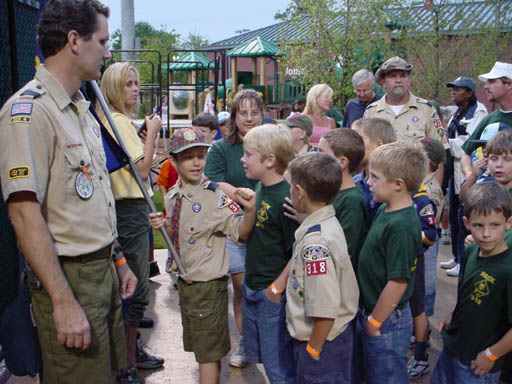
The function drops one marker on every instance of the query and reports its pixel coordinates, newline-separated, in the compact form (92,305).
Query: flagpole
(135,173)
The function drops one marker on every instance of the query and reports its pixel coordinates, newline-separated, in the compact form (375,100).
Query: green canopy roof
(256,47)
(189,61)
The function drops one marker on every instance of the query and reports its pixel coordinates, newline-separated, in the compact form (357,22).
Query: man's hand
(482,364)
(292,212)
(246,197)
(127,281)
(73,329)
(445,324)
(157,220)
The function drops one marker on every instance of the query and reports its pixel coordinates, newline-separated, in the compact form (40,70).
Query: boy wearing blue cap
(200,216)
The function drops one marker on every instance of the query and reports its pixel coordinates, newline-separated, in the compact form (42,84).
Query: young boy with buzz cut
(322,292)
(478,334)
(348,147)
(386,265)
(267,151)
(200,218)
(208,124)
(374,132)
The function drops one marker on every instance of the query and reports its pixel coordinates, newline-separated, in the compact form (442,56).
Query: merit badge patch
(234,207)
(431,220)
(84,186)
(415,119)
(189,135)
(315,252)
(19,172)
(427,210)
(21,113)
(196,207)
(438,123)
(224,200)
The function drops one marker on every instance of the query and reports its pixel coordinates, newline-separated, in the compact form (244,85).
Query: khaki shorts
(204,316)
(96,288)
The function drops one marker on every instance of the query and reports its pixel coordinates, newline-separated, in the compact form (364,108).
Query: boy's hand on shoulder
(157,220)
(291,213)
(246,197)
(468,240)
(482,364)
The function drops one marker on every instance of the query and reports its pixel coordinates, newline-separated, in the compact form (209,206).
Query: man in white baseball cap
(498,88)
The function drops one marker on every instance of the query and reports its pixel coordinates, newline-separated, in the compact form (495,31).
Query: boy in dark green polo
(478,334)
(348,147)
(386,265)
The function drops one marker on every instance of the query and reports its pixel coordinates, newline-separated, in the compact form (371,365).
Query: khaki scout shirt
(435,193)
(207,217)
(322,282)
(47,140)
(416,120)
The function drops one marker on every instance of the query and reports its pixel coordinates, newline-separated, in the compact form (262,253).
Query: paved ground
(180,367)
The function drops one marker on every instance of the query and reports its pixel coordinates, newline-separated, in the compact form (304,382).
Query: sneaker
(454,271)
(417,368)
(145,360)
(446,238)
(412,342)
(448,264)
(129,376)
(168,265)
(153,269)
(238,359)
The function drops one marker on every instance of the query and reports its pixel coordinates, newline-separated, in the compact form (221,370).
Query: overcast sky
(216,20)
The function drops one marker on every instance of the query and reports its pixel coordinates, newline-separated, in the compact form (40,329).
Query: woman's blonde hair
(112,86)
(314,93)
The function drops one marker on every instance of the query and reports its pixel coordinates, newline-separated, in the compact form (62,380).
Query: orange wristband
(375,323)
(312,351)
(489,355)
(468,174)
(120,262)
(274,290)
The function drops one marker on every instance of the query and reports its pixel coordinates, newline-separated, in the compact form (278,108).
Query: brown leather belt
(102,253)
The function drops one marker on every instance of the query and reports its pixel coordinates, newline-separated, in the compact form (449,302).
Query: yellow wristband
(489,355)
(312,351)
(375,323)
(274,289)
(120,262)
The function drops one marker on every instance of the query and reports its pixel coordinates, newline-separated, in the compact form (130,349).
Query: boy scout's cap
(390,65)
(489,131)
(435,150)
(185,138)
(298,120)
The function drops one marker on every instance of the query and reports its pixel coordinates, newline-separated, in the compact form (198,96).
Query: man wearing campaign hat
(412,117)
(301,127)
(465,120)
(498,87)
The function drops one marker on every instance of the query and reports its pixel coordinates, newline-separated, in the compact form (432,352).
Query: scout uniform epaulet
(211,186)
(314,228)
(423,101)
(374,104)
(422,191)
(31,93)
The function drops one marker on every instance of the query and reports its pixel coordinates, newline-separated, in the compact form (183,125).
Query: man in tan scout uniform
(60,202)
(412,117)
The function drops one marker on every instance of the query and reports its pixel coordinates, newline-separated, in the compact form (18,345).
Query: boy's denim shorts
(450,370)
(266,339)
(335,364)
(383,359)
(236,255)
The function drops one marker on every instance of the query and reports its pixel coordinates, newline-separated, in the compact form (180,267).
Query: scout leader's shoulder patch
(315,256)
(19,172)
(21,113)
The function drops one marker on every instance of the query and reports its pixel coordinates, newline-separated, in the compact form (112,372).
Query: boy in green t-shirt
(348,147)
(478,334)
(267,151)
(386,265)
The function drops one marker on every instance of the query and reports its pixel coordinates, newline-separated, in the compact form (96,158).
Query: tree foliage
(194,40)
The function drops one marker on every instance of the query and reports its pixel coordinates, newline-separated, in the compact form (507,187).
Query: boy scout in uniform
(321,293)
(412,117)
(60,202)
(201,216)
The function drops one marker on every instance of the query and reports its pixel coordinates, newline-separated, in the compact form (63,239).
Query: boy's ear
(400,184)
(344,162)
(214,132)
(465,220)
(270,160)
(301,192)
(508,224)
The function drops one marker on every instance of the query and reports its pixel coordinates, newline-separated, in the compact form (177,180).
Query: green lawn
(159,239)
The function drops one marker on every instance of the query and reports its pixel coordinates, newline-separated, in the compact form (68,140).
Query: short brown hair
(272,138)
(486,197)
(246,94)
(206,120)
(348,143)
(500,143)
(319,174)
(401,160)
(376,129)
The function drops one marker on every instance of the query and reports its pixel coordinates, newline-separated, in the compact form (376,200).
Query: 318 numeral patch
(318,267)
